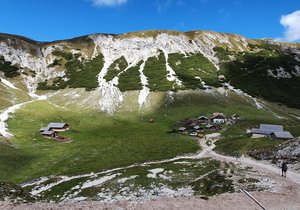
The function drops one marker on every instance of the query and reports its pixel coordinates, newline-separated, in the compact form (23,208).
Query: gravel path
(286,196)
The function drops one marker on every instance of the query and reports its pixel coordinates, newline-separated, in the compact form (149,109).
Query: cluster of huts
(273,131)
(51,131)
(196,126)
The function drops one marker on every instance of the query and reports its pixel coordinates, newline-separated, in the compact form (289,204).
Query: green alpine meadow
(144,115)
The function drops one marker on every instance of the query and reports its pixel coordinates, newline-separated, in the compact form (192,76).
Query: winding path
(4,117)
(246,161)
(207,151)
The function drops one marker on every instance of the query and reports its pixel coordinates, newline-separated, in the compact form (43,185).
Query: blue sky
(47,20)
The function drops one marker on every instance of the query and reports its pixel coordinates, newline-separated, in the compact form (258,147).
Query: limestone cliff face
(146,61)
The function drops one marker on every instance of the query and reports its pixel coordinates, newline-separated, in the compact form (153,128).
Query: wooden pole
(250,196)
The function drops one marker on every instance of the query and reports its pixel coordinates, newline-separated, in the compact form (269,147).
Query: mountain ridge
(154,60)
(133,33)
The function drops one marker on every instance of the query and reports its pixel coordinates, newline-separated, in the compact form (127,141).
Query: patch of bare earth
(288,198)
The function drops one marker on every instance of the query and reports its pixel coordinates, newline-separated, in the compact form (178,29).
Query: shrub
(156,73)
(8,69)
(115,68)
(130,79)
(78,74)
(191,66)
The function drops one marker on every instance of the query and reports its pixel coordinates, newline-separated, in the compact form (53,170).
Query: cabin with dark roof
(282,135)
(181,129)
(58,126)
(44,129)
(274,128)
(210,126)
(267,129)
(50,134)
(202,119)
(273,131)
(51,131)
(261,131)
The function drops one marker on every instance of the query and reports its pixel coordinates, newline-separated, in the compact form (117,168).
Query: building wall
(256,136)
(219,121)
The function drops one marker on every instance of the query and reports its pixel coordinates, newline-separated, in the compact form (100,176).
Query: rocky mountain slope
(149,81)
(109,65)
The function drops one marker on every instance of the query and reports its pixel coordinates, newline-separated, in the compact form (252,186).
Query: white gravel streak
(171,75)
(99,181)
(8,83)
(154,172)
(123,180)
(4,116)
(135,49)
(144,93)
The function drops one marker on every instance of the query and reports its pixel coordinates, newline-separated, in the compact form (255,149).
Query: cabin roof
(44,129)
(202,117)
(283,135)
(197,127)
(261,131)
(56,125)
(274,128)
(209,126)
(48,132)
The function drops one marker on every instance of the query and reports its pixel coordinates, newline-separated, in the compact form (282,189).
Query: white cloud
(164,5)
(108,3)
(291,22)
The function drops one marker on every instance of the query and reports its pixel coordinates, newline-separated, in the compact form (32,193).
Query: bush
(252,68)
(156,73)
(56,62)
(63,54)
(115,68)
(8,69)
(130,79)
(191,66)
(78,74)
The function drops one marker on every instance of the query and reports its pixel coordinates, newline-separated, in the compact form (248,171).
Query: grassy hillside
(250,72)
(191,68)
(9,97)
(102,142)
(99,142)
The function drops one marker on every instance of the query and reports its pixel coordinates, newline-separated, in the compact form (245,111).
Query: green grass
(61,189)
(213,184)
(5,97)
(103,142)
(99,142)
(12,159)
(181,174)
(237,146)
(8,97)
